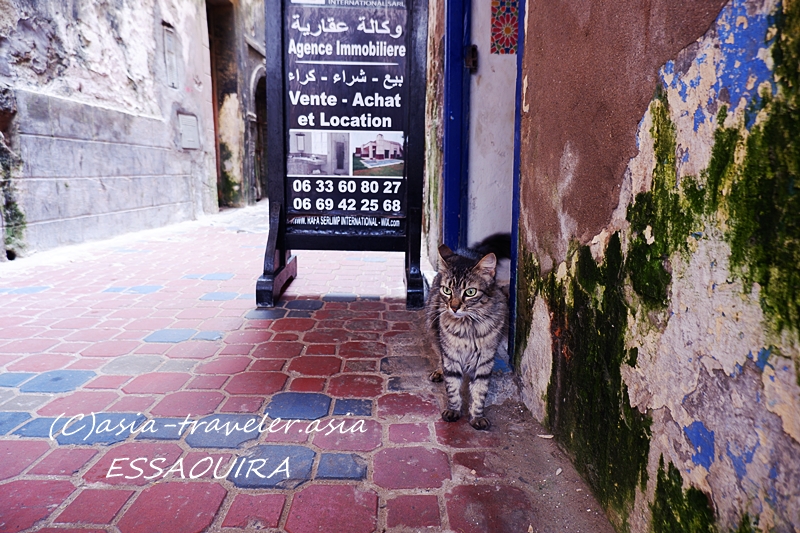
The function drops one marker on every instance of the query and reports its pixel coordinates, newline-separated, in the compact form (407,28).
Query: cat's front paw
(482,423)
(450,415)
(436,376)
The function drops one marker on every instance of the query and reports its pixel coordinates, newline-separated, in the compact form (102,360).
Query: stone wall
(659,242)
(96,140)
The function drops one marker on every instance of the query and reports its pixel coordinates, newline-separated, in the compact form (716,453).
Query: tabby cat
(467,315)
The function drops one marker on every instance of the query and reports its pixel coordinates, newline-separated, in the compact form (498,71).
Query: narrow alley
(149,331)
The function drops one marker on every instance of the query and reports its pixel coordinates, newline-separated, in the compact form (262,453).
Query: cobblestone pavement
(137,375)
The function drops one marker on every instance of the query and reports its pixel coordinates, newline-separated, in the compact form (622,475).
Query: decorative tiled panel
(505,24)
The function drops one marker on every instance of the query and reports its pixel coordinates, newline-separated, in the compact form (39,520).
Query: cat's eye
(470,292)
(446,291)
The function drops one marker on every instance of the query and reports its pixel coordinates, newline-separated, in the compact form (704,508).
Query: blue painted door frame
(455,194)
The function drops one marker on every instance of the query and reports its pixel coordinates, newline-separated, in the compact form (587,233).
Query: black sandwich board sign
(345,84)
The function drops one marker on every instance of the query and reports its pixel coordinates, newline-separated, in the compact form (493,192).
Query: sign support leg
(280,266)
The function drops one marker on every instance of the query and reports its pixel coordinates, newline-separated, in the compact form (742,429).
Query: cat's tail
(499,244)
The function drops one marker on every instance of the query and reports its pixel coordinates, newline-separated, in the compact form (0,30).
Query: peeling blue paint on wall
(703,441)
(741,460)
(741,70)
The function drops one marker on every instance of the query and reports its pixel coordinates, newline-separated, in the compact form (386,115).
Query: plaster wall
(95,133)
(491,133)
(641,295)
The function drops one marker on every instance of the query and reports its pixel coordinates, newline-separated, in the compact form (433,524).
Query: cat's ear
(445,253)
(487,265)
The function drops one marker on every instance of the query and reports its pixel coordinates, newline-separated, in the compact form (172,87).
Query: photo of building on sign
(318,153)
(377,154)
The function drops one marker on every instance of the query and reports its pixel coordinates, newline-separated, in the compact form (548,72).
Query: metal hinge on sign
(471,58)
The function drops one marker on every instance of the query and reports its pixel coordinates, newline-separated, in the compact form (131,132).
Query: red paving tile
(107,382)
(175,507)
(355,386)
(25,502)
(495,508)
(255,510)
(207,382)
(413,511)
(362,350)
(461,435)
(132,404)
(410,468)
(28,346)
(476,463)
(315,365)
(94,506)
(273,350)
(293,324)
(407,433)
(408,405)
(193,350)
(41,363)
(79,402)
(267,365)
(242,404)
(17,455)
(352,435)
(63,461)
(110,348)
(307,384)
(256,383)
(187,403)
(157,382)
(224,365)
(326,336)
(333,509)
(321,349)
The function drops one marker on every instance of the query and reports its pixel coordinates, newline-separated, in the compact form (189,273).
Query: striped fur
(467,316)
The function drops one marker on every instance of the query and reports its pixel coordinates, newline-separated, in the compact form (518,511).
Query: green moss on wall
(13,217)
(588,405)
(676,510)
(228,191)
(662,218)
(528,280)
(764,204)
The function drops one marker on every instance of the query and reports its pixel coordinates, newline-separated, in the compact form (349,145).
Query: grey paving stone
(10,420)
(273,466)
(41,427)
(341,466)
(407,383)
(265,314)
(178,365)
(219,296)
(223,431)
(298,406)
(115,289)
(374,259)
(369,298)
(339,297)
(57,381)
(218,276)
(171,335)
(6,394)
(12,379)
(131,365)
(354,407)
(299,314)
(102,428)
(410,364)
(208,336)
(308,305)
(26,402)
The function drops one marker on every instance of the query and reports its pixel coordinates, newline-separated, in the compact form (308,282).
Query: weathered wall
(434,131)
(659,242)
(96,133)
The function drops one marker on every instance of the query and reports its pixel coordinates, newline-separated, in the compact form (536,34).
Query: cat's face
(465,285)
